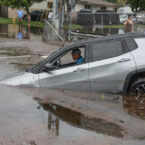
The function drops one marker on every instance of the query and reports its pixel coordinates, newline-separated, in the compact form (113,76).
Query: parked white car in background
(123,18)
(140,18)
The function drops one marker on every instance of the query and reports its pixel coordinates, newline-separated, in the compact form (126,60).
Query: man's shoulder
(81,59)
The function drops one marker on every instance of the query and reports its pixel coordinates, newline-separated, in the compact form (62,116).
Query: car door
(110,63)
(72,79)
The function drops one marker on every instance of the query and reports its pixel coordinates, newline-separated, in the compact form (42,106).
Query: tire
(137,90)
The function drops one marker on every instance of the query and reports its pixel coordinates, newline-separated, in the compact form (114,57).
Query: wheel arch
(131,77)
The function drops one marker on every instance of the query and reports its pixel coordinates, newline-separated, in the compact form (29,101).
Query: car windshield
(40,64)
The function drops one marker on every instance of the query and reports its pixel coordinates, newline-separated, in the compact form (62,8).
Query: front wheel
(137,90)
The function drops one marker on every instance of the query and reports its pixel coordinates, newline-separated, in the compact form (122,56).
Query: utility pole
(55,13)
(61,18)
(55,8)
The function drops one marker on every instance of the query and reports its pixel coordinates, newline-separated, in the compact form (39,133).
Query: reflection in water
(134,106)
(15,31)
(98,31)
(76,119)
(53,123)
(20,34)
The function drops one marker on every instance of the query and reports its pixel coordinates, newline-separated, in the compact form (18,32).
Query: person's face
(75,57)
(130,18)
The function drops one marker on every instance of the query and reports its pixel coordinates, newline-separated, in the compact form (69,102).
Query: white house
(95,5)
(80,4)
(42,5)
(125,10)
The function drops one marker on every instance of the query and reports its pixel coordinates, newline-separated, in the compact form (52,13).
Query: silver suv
(111,64)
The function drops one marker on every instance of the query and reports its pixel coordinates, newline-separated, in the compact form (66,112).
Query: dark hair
(129,15)
(76,51)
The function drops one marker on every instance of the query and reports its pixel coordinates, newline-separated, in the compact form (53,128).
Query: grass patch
(114,26)
(10,21)
(121,26)
(5,21)
(141,26)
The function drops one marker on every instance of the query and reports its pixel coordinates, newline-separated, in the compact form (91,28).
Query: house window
(50,5)
(87,7)
(103,8)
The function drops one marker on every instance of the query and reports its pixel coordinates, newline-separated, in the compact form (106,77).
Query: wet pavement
(36,116)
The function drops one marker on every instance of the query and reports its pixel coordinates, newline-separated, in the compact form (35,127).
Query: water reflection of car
(111,64)
(37,15)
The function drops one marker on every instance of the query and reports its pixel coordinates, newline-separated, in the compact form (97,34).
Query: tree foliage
(119,2)
(136,5)
(19,3)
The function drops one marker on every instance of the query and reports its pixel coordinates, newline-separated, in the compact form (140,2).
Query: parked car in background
(143,19)
(140,17)
(123,18)
(37,15)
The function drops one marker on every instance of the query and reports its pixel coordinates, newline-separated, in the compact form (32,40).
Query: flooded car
(111,64)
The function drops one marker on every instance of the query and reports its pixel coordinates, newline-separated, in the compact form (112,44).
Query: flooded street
(37,116)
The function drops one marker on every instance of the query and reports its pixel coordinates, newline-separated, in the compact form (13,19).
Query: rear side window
(131,44)
(106,50)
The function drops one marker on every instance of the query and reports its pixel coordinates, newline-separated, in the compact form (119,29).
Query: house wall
(40,6)
(12,13)
(79,7)
(110,9)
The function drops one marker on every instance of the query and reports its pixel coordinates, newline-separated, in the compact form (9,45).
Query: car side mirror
(46,68)
(48,65)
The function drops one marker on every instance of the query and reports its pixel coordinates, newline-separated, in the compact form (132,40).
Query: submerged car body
(111,64)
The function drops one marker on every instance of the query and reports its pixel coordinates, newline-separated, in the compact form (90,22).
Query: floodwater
(36,116)
(36,33)
(14,31)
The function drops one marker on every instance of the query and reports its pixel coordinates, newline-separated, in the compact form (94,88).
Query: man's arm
(125,24)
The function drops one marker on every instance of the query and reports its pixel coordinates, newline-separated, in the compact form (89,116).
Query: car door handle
(79,69)
(124,60)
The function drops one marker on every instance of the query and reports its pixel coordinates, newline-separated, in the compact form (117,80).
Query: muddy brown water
(40,116)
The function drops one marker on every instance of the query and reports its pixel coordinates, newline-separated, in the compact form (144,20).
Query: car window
(131,44)
(66,59)
(106,50)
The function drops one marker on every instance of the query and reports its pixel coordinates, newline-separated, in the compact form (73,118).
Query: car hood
(21,79)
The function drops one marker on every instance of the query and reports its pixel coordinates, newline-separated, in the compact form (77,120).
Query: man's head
(76,54)
(130,17)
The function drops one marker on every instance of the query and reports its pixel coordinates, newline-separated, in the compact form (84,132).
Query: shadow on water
(57,113)
(14,31)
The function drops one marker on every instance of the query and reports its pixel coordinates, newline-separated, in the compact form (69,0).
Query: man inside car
(76,55)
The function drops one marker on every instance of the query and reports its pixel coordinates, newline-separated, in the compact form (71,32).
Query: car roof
(106,38)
